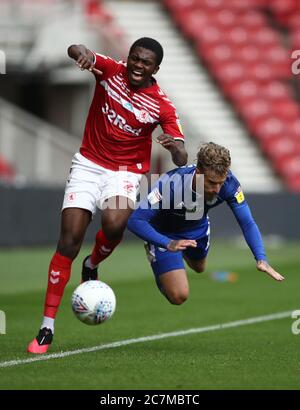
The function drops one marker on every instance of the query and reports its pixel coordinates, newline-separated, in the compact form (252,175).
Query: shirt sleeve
(140,224)
(140,221)
(106,64)
(244,217)
(169,120)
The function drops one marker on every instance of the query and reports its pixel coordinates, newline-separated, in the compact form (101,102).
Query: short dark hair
(149,44)
(214,157)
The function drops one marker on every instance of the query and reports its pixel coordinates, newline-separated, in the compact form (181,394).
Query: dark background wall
(31,216)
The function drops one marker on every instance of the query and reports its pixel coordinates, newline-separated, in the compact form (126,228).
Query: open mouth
(136,75)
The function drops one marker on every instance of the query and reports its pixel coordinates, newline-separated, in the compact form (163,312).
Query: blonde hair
(214,157)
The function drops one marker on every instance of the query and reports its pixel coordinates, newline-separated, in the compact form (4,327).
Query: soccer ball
(93,302)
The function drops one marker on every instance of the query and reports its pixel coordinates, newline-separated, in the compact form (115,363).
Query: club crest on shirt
(143,116)
(71,196)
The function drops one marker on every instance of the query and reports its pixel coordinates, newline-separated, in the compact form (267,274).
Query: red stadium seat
(268,128)
(294,21)
(266,37)
(212,5)
(261,71)
(192,22)
(246,55)
(277,54)
(275,90)
(181,5)
(229,72)
(217,54)
(244,90)
(286,109)
(295,39)
(238,35)
(293,183)
(281,7)
(226,18)
(249,53)
(210,36)
(243,5)
(96,11)
(255,109)
(252,20)
(281,146)
(238,5)
(7,171)
(288,165)
(294,127)
(284,9)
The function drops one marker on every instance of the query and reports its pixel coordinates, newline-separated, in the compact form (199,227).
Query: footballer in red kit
(115,152)
(122,118)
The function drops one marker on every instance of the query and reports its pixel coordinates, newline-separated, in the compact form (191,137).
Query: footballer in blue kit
(173,220)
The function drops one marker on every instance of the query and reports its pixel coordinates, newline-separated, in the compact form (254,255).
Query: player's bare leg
(175,286)
(114,220)
(197,265)
(74,223)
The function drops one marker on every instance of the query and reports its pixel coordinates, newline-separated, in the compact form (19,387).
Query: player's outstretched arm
(176,148)
(181,245)
(84,58)
(263,266)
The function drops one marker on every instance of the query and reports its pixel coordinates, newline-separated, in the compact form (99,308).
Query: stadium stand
(28,30)
(7,171)
(248,54)
(205,114)
(34,152)
(244,45)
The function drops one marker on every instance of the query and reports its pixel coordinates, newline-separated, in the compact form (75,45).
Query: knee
(113,230)
(177,297)
(69,247)
(199,269)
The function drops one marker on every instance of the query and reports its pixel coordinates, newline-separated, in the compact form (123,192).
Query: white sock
(89,264)
(48,322)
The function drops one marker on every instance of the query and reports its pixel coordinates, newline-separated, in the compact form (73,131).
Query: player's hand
(263,266)
(85,61)
(181,245)
(167,141)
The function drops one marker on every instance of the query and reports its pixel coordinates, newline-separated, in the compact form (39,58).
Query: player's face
(212,184)
(141,65)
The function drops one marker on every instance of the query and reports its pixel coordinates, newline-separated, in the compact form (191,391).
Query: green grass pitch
(257,356)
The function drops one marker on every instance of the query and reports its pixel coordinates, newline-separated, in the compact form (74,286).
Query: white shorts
(89,185)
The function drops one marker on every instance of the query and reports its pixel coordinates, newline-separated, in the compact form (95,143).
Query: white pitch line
(211,328)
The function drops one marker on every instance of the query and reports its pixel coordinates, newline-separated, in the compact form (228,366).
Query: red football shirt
(121,119)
